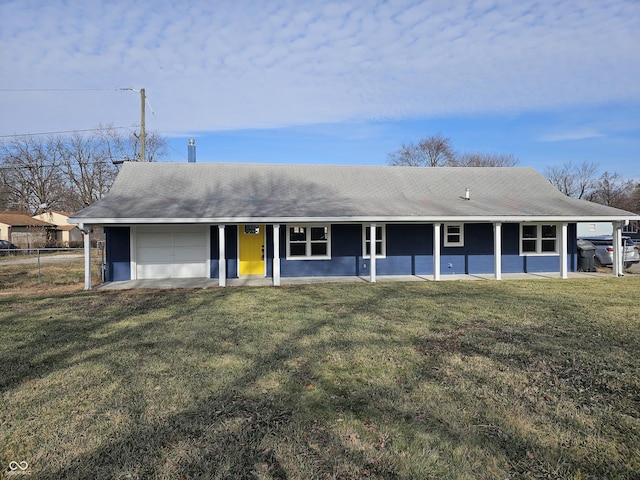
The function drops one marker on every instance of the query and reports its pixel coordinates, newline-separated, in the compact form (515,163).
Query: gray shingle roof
(226,192)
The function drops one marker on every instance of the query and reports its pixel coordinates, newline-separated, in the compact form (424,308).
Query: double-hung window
(308,242)
(454,235)
(538,239)
(380,241)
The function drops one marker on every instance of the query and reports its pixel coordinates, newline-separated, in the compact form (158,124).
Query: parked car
(604,251)
(6,247)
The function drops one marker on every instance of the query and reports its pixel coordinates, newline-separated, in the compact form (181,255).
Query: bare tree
(126,148)
(573,180)
(436,151)
(485,160)
(610,189)
(65,172)
(30,174)
(433,151)
(87,168)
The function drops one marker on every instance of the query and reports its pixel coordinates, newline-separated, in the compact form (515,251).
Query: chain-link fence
(60,266)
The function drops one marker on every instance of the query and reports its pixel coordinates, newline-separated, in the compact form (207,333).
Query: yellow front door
(251,249)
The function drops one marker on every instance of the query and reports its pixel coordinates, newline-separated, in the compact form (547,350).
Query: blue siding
(231,248)
(409,252)
(118,254)
(346,247)
(410,248)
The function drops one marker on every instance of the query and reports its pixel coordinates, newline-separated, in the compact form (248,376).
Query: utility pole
(142,131)
(143,134)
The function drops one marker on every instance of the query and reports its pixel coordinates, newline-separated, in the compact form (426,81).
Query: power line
(62,131)
(58,89)
(53,165)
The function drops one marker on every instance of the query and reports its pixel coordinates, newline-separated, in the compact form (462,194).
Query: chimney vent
(192,150)
(466,194)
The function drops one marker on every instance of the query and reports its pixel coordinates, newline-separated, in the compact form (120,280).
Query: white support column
(87,256)
(222,260)
(617,250)
(436,250)
(276,255)
(372,251)
(564,272)
(497,250)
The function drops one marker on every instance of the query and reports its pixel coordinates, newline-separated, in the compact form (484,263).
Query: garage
(171,252)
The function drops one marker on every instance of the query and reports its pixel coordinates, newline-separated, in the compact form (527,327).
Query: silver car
(604,251)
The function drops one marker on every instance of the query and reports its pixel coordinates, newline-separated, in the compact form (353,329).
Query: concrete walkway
(168,283)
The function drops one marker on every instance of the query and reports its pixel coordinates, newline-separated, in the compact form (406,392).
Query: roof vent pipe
(466,194)
(192,150)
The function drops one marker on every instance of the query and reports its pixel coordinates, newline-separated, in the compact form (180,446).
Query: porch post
(222,261)
(87,256)
(497,250)
(276,255)
(563,252)
(617,249)
(436,251)
(372,251)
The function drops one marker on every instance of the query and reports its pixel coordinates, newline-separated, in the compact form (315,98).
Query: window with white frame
(632,227)
(538,239)
(380,241)
(454,235)
(308,242)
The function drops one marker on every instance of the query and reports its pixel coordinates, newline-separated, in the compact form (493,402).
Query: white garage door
(171,252)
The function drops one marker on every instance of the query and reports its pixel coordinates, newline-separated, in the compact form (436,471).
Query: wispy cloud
(571,135)
(241,63)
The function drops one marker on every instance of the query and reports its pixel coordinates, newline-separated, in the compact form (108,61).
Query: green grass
(456,380)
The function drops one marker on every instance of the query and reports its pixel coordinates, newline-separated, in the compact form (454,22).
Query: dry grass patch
(526,379)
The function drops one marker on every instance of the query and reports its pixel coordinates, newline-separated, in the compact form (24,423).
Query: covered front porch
(438,264)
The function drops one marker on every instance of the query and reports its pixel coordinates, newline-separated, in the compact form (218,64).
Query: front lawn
(456,380)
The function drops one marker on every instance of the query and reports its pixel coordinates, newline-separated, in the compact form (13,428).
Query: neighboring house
(222,220)
(65,235)
(24,231)
(594,229)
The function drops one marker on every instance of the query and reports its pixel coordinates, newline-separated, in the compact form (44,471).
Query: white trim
(207,242)
(222,257)
(87,259)
(276,255)
(497,250)
(564,270)
(538,239)
(359,219)
(617,266)
(133,243)
(383,240)
(308,242)
(372,258)
(447,243)
(437,227)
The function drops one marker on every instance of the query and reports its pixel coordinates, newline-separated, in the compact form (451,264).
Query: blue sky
(333,82)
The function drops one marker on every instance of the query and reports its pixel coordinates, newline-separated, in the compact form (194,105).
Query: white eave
(358,219)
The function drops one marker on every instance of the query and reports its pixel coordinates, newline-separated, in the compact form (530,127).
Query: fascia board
(358,219)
